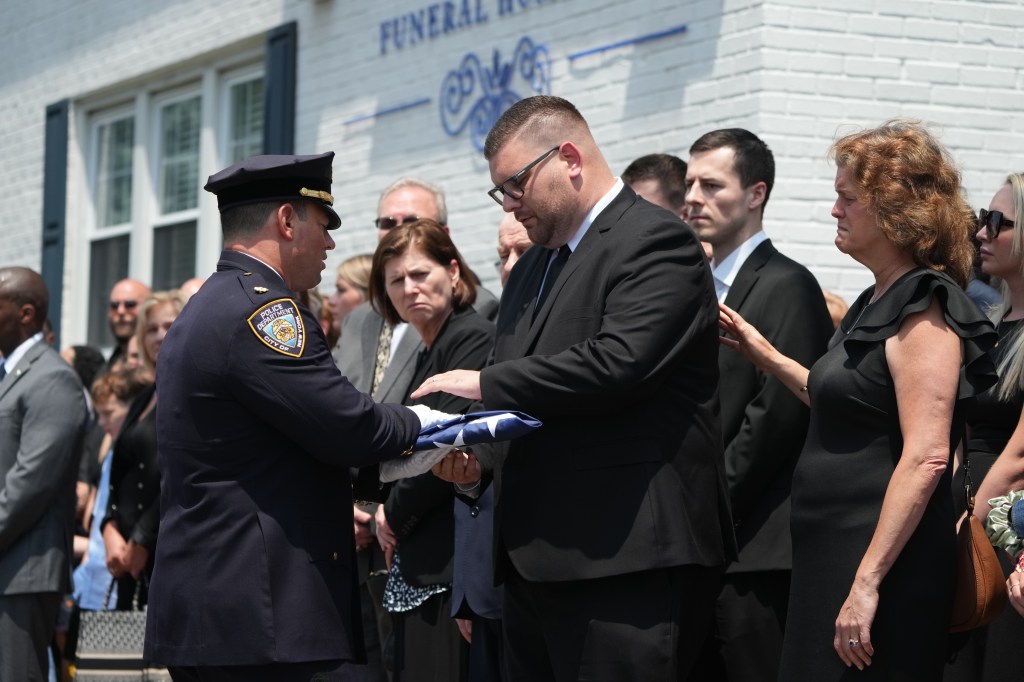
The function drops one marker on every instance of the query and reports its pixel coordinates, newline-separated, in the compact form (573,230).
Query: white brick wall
(796,72)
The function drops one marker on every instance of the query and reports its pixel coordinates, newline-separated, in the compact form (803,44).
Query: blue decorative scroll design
(632,41)
(474,96)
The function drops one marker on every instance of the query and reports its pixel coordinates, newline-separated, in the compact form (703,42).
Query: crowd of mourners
(832,436)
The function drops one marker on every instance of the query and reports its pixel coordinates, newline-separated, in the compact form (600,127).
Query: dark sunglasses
(390,222)
(513,187)
(993,221)
(128,305)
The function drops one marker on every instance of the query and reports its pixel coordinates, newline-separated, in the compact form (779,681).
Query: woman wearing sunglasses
(996,427)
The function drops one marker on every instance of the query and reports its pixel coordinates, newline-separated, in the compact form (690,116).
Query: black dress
(982,654)
(853,444)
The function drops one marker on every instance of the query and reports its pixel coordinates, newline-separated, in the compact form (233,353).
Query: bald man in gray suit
(42,420)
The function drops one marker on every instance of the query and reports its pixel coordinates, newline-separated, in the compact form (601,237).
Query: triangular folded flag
(436,441)
(476,428)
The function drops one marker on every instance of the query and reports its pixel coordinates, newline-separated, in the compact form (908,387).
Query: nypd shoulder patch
(278,325)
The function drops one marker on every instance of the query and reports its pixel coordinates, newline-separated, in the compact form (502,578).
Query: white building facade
(115,112)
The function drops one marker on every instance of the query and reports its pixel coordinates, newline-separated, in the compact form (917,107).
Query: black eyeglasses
(128,305)
(993,221)
(391,222)
(513,187)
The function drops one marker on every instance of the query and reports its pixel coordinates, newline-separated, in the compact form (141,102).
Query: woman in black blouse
(133,509)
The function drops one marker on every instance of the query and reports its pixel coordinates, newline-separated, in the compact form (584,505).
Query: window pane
(174,255)
(114,172)
(245,137)
(108,264)
(179,155)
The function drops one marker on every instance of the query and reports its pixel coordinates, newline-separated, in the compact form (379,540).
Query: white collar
(601,204)
(726,271)
(12,360)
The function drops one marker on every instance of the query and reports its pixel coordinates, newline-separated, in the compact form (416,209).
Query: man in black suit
(254,575)
(729,179)
(612,522)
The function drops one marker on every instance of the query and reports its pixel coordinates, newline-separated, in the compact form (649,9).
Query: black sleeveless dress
(853,444)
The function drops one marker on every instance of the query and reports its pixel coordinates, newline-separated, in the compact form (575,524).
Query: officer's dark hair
(433,241)
(753,161)
(246,220)
(667,170)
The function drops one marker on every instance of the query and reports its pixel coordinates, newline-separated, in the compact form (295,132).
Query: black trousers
(649,625)
(750,620)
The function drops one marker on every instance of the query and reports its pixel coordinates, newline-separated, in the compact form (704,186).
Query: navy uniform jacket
(256,431)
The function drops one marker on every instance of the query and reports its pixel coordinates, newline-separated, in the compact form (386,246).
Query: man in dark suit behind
(729,180)
(612,522)
(42,419)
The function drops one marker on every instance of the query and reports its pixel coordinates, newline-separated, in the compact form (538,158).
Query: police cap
(276,177)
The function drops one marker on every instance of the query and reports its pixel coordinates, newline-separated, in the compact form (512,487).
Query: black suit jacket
(763,423)
(621,364)
(255,562)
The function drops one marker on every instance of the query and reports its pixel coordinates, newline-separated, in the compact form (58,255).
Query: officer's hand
(429,417)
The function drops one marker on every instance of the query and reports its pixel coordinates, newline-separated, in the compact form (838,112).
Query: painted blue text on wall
(441,19)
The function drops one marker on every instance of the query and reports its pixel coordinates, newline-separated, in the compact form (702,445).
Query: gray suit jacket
(42,422)
(356,354)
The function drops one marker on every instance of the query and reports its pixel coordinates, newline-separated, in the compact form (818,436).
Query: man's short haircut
(246,220)
(667,170)
(534,116)
(23,286)
(753,162)
(406,181)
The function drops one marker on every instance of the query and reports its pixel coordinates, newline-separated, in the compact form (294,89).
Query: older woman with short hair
(419,277)
(873,522)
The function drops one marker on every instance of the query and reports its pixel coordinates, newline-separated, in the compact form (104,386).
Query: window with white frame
(146,164)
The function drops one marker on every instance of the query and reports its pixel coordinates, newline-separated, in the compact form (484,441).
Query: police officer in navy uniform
(254,574)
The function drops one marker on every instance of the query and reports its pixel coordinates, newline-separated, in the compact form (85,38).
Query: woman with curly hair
(873,522)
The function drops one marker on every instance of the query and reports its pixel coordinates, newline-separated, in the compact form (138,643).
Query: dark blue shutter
(55,181)
(279,90)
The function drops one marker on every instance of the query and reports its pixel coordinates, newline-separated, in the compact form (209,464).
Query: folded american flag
(476,428)
(464,430)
